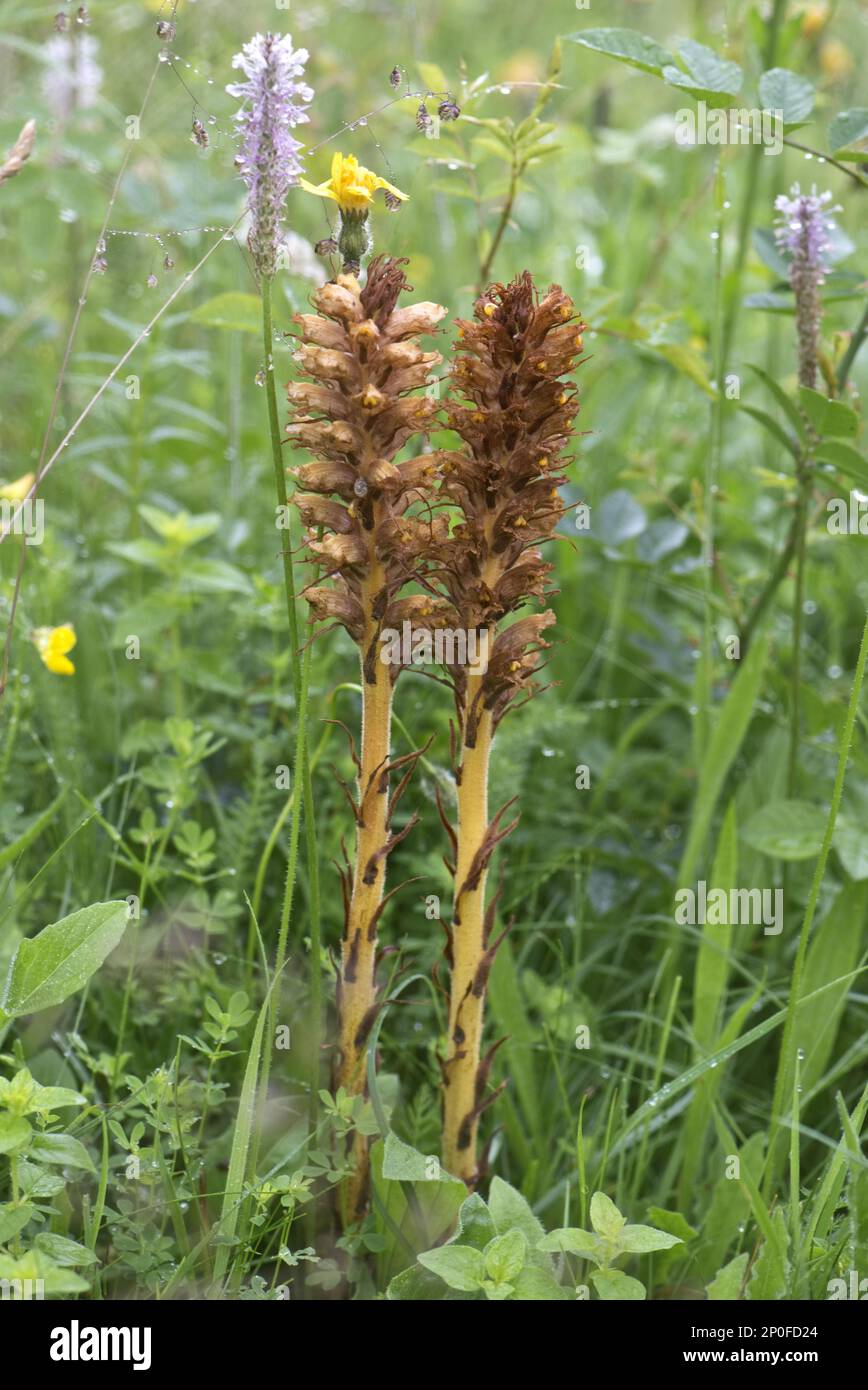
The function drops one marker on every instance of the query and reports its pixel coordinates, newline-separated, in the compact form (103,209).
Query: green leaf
(14,1216)
(726,1284)
(627,45)
(845,459)
(787,92)
(605,1217)
(673,1222)
(787,405)
(401,1163)
(433,77)
(827,416)
(785,829)
(508,1209)
(537,1285)
(475,1226)
(571,1240)
(63,1251)
(59,960)
(771,425)
(14,1133)
(708,76)
(771,1269)
(61,1148)
(848,135)
(613,1286)
(505,1256)
(641,1240)
(459,1266)
(37,1266)
(233,310)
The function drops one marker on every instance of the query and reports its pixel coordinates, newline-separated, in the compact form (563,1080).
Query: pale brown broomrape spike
(360,359)
(19,153)
(515,417)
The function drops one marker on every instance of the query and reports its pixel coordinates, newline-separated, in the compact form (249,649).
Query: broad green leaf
(38,1266)
(401,1163)
(14,1133)
(433,76)
(475,1226)
(505,1256)
(845,459)
(571,1240)
(827,416)
(605,1217)
(641,1240)
(60,959)
(417,1285)
(614,1286)
(627,45)
(787,92)
(14,1216)
(771,425)
(459,1266)
(537,1285)
(727,1283)
(708,77)
(771,1268)
(61,1148)
(233,310)
(673,1222)
(63,1251)
(508,1209)
(848,135)
(785,829)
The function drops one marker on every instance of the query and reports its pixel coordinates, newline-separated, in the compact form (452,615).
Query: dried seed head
(423,118)
(327,247)
(165,30)
(81,15)
(395,77)
(392,202)
(449,110)
(100,265)
(61,22)
(152,282)
(168,263)
(198,133)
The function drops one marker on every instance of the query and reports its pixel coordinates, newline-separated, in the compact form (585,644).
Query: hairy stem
(467,994)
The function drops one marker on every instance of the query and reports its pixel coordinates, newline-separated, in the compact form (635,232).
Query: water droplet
(260,377)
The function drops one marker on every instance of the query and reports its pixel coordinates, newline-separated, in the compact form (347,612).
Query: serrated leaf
(787,92)
(627,46)
(59,960)
(571,1240)
(63,1251)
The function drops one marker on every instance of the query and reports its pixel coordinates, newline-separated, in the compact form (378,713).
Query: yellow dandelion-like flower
(53,643)
(351,185)
(18,490)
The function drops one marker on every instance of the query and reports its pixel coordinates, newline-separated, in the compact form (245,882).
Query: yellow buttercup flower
(17,491)
(53,643)
(351,185)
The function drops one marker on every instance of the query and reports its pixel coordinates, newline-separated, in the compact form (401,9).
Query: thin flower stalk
(514,413)
(360,363)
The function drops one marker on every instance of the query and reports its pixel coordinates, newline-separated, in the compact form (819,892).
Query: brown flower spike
(355,410)
(515,415)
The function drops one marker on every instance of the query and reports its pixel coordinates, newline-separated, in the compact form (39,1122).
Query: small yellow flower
(53,643)
(351,185)
(17,491)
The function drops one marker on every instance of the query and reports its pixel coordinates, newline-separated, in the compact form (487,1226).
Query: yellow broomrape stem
(358,990)
(467,993)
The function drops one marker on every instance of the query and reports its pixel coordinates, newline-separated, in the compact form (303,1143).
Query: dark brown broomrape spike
(515,415)
(360,362)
